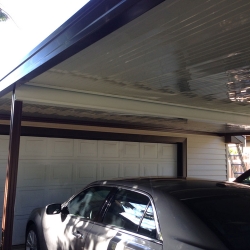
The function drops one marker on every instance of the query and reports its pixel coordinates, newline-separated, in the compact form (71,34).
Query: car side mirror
(53,209)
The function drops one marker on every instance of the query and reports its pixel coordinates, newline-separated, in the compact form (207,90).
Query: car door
(128,223)
(70,230)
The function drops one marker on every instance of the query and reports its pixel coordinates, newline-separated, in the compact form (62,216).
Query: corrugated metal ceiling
(181,52)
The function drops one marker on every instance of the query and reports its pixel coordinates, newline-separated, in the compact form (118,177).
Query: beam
(125,105)
(235,139)
(11,176)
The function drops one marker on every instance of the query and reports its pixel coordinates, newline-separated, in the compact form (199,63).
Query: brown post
(11,177)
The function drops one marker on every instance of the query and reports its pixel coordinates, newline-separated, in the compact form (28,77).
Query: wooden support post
(11,176)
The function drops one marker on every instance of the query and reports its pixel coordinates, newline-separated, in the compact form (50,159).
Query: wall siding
(206,158)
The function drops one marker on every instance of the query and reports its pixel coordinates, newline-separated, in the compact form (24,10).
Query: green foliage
(233,151)
(3,16)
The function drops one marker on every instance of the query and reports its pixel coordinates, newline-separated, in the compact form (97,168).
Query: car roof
(182,186)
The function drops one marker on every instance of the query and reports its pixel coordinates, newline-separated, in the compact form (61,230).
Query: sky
(31,22)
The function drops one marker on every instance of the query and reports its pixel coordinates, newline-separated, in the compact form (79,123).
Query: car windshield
(227,215)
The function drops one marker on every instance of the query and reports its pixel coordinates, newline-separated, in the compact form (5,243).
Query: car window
(147,226)
(246,181)
(131,211)
(88,203)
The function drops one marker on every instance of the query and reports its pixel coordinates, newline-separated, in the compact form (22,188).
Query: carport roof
(180,66)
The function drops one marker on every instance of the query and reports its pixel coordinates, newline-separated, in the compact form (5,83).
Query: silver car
(144,214)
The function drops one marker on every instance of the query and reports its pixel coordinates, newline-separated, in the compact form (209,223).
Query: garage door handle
(78,235)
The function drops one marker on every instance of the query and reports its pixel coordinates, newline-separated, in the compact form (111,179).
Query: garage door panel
(78,188)
(3,168)
(59,194)
(86,148)
(108,149)
(61,173)
(33,148)
(150,169)
(19,229)
(28,199)
(110,170)
(86,172)
(131,169)
(167,151)
(168,169)
(52,169)
(4,147)
(31,174)
(149,150)
(62,148)
(130,150)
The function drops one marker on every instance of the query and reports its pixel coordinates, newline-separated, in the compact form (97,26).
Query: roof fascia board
(94,21)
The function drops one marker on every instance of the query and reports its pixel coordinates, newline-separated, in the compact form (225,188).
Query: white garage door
(51,170)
